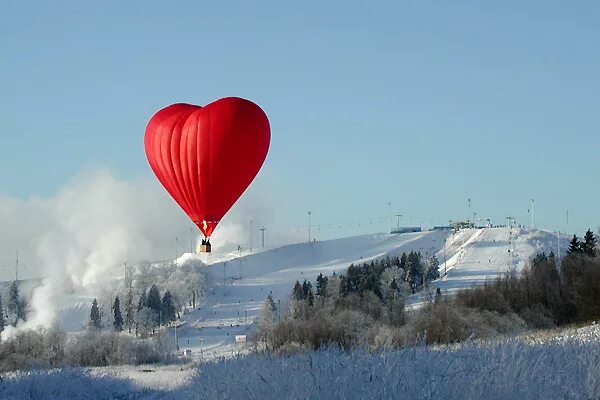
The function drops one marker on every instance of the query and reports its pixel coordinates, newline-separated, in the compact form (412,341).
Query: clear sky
(422,104)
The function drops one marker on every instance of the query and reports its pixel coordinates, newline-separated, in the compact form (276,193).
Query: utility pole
(17,267)
(532,201)
(191,241)
(558,246)
(567,220)
(469,201)
(398,221)
(390,214)
(309,226)
(175,261)
(250,236)
(445,259)
(262,231)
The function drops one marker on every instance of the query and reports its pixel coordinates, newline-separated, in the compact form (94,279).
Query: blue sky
(423,104)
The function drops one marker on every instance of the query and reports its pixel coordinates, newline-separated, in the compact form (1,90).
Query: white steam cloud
(78,240)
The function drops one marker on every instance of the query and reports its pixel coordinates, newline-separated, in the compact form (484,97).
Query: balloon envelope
(206,157)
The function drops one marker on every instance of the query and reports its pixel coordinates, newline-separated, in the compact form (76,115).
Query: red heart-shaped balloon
(206,157)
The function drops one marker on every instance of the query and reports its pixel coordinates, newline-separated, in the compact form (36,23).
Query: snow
(239,286)
(567,366)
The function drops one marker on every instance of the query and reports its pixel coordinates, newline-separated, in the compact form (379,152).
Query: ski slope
(238,287)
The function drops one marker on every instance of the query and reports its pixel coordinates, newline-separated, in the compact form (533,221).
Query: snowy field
(562,367)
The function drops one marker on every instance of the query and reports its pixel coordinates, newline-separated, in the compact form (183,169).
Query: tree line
(371,292)
(142,304)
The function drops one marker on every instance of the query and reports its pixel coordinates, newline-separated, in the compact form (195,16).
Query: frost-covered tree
(146,321)
(298,292)
(403,261)
(118,318)
(16,305)
(268,311)
(433,269)
(95,319)
(129,311)
(142,301)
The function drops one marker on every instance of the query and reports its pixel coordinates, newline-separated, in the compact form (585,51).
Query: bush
(51,348)
(538,317)
(485,297)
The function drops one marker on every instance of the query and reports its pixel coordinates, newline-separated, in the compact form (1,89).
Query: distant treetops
(587,246)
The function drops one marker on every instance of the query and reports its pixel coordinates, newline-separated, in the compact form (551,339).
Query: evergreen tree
(394,285)
(2,322)
(142,301)
(268,312)
(95,320)
(153,302)
(118,320)
(305,286)
(129,313)
(21,307)
(574,245)
(297,292)
(403,260)
(310,296)
(354,276)
(415,271)
(370,282)
(16,306)
(433,271)
(321,285)
(167,307)
(13,301)
(589,244)
(344,285)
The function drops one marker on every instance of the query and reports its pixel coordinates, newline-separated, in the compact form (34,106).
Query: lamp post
(309,213)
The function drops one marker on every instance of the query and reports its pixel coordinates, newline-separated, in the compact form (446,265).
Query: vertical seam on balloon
(206,198)
(191,161)
(183,183)
(169,166)
(189,182)
(199,144)
(178,129)
(183,173)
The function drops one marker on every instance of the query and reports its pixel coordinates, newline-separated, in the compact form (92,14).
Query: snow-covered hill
(238,287)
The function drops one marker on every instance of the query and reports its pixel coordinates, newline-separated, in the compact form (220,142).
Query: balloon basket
(205,248)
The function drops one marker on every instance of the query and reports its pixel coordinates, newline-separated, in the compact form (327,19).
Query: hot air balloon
(206,157)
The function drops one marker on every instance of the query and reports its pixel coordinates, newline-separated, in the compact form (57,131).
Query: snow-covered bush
(561,368)
(51,348)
